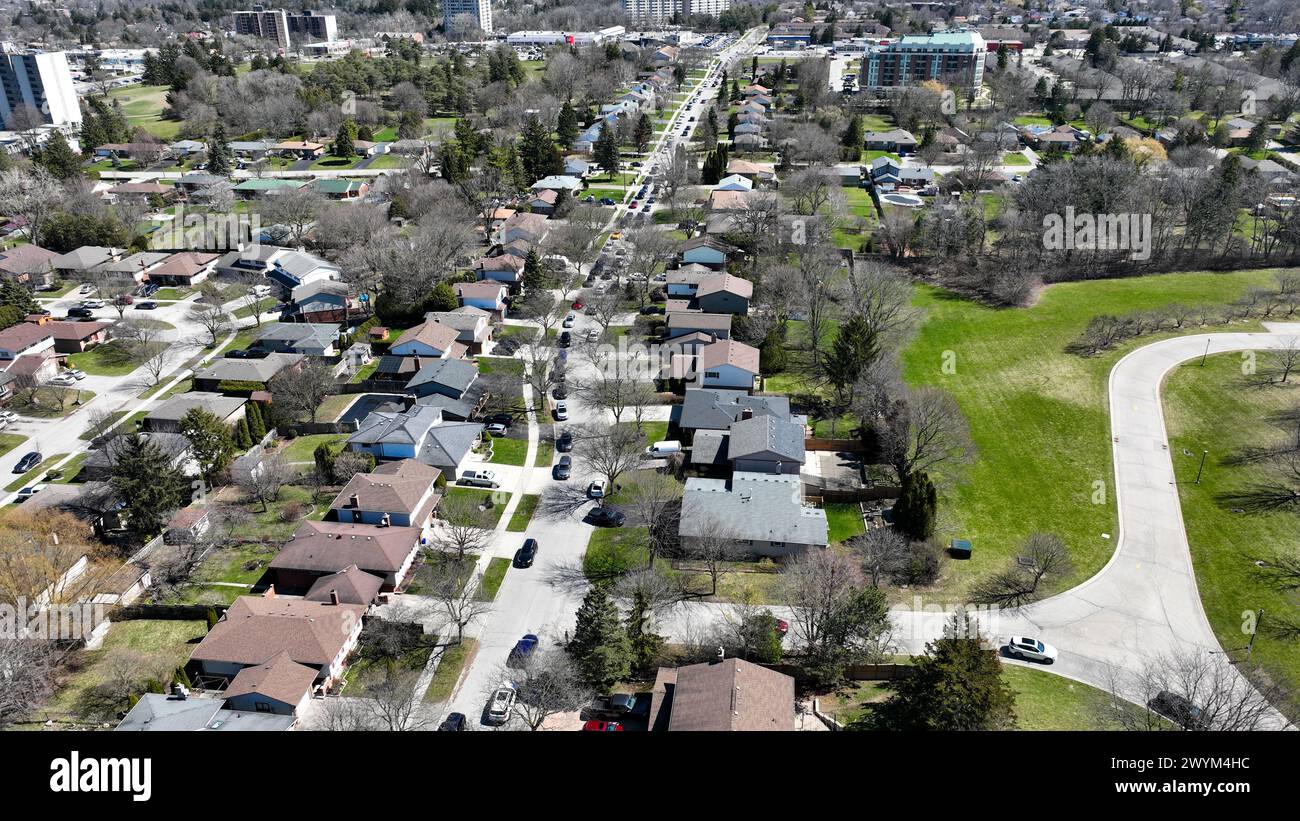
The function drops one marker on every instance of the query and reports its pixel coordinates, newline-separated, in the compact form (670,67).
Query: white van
(659,449)
(479,478)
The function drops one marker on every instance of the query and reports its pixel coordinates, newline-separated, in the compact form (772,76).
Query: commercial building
(462,15)
(953,58)
(572,38)
(40,80)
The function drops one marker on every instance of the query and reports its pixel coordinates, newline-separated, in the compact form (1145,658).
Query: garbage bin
(960,549)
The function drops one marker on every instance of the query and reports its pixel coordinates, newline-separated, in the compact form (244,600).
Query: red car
(633,206)
(578,305)
(782,626)
(602,727)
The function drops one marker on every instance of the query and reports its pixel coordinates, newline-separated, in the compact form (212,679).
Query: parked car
(501,419)
(1028,649)
(1178,709)
(569,320)
(565,339)
(561,411)
(522,651)
(602,727)
(497,429)
(560,392)
(578,304)
(8,415)
(563,468)
(665,448)
(608,201)
(479,478)
(593,335)
(601,516)
(63,380)
(453,723)
(92,303)
(652,309)
(146,305)
(597,488)
(498,707)
(80,313)
(86,289)
(76,373)
(30,460)
(619,705)
(564,442)
(782,626)
(525,555)
(28,492)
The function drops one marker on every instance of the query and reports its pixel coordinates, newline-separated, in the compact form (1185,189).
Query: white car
(92,303)
(569,320)
(498,708)
(596,489)
(8,415)
(497,429)
(86,289)
(1029,649)
(561,411)
(76,373)
(63,380)
(28,492)
(593,335)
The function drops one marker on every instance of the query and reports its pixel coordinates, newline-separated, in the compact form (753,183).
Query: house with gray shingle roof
(764,513)
(766,444)
(417,433)
(306,338)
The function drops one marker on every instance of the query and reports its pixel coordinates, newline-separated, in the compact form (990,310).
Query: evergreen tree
(57,157)
(150,487)
(956,685)
(534,276)
(210,441)
(256,423)
(606,150)
(323,456)
(410,126)
(645,645)
(567,129)
(243,439)
(219,152)
(914,511)
(364,132)
(643,133)
(856,346)
(537,151)
(1258,137)
(600,646)
(343,145)
(441,298)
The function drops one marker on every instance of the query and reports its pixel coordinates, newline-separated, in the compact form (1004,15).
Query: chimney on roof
(354,500)
(384,521)
(417,363)
(747,413)
(334,597)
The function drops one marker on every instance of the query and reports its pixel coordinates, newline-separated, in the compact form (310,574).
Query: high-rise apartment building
(663,11)
(954,58)
(310,27)
(264,24)
(40,80)
(456,15)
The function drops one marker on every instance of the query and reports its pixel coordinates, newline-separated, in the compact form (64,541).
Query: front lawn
(113,358)
(523,513)
(492,579)
(1038,415)
(9,441)
(454,659)
(507,451)
(482,497)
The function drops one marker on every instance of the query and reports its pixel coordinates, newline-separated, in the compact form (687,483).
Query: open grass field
(143,107)
(1215,408)
(1038,415)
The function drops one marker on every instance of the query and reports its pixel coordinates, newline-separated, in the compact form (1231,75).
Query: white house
(727,364)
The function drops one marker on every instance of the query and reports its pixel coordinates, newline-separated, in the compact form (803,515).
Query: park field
(1038,415)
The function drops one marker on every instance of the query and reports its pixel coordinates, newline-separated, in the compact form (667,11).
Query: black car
(564,443)
(652,309)
(524,556)
(31,460)
(565,338)
(454,723)
(608,201)
(1179,710)
(606,517)
(562,468)
(81,313)
(561,392)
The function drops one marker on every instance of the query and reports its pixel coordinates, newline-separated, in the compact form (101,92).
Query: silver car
(1030,649)
(498,709)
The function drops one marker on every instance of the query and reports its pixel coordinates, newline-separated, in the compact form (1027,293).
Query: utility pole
(1204,453)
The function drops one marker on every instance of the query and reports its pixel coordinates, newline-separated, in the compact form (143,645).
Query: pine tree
(606,149)
(219,152)
(644,644)
(853,139)
(956,685)
(57,157)
(600,645)
(644,131)
(210,441)
(534,277)
(256,423)
(914,511)
(566,129)
(243,439)
(343,145)
(150,486)
(324,459)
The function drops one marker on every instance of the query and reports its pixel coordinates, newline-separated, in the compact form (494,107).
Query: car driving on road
(30,460)
(525,555)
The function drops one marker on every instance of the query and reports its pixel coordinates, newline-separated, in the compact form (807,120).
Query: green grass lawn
(615,550)
(167,645)
(111,359)
(276,524)
(330,162)
(388,161)
(481,495)
(492,579)
(523,513)
(172,294)
(1214,408)
(507,451)
(143,106)
(334,405)
(454,658)
(365,371)
(1038,415)
(1015,158)
(545,454)
(9,441)
(262,306)
(1032,119)
(844,521)
(72,467)
(303,448)
(1046,701)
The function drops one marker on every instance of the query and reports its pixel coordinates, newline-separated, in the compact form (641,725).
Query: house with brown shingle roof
(727,364)
(26,338)
(722,696)
(31,265)
(75,337)
(281,686)
(185,269)
(724,294)
(405,495)
(256,629)
(430,339)
(351,585)
(507,268)
(681,323)
(321,548)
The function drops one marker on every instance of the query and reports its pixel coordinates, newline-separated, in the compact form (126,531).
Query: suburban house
(262,186)
(486,294)
(471,324)
(684,281)
(418,432)
(306,338)
(41,366)
(323,301)
(681,323)
(351,585)
(748,142)
(576,167)
(301,149)
(242,376)
(714,409)
(721,696)
(430,339)
(139,191)
(321,548)
(543,202)
(166,418)
(29,265)
(560,184)
(734,182)
(754,444)
(292,269)
(896,141)
(447,377)
(531,228)
(280,686)
(342,189)
(99,465)
(25,338)
(723,294)
(764,513)
(403,494)
(75,337)
(726,364)
(185,269)
(84,261)
(159,712)
(735,200)
(763,173)
(887,173)
(257,629)
(137,266)
(187,525)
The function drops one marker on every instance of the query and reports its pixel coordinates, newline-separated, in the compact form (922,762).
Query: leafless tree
(295,209)
(653,501)
(214,321)
(29,678)
(819,278)
(924,430)
(546,685)
(464,527)
(824,587)
(298,392)
(265,482)
(1043,556)
(343,715)
(392,703)
(1221,694)
(32,194)
(882,551)
(458,601)
(610,450)
(715,547)
(810,189)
